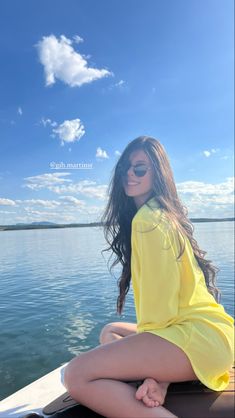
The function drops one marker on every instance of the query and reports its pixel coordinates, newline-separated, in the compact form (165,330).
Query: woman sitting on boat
(182,332)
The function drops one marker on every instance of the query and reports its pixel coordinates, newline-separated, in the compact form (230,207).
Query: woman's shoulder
(153,219)
(150,215)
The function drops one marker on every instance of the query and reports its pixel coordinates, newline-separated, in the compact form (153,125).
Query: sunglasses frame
(135,169)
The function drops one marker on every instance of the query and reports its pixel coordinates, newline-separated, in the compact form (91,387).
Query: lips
(132,183)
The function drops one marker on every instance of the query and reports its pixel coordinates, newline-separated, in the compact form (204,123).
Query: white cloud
(19,111)
(58,184)
(70,200)
(7,202)
(70,131)
(62,62)
(67,209)
(70,209)
(208,200)
(78,39)
(46,181)
(49,122)
(201,188)
(118,153)
(101,153)
(35,212)
(84,188)
(119,83)
(49,204)
(208,153)
(43,215)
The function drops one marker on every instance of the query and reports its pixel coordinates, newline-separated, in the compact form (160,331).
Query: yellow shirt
(172,300)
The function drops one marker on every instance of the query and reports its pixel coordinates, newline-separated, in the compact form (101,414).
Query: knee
(105,332)
(73,375)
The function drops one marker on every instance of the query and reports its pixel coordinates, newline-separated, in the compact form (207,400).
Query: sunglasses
(139,169)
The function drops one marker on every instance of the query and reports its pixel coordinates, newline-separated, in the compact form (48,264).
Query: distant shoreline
(92,224)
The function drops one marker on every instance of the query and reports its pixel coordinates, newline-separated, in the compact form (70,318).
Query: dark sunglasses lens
(140,171)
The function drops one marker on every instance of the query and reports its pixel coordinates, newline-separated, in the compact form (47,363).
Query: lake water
(56,294)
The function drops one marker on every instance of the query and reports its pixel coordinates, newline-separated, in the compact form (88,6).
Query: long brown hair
(121,209)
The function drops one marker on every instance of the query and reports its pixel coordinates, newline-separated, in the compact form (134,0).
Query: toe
(158,398)
(148,402)
(141,391)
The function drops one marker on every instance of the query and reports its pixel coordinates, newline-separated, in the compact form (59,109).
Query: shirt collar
(153,203)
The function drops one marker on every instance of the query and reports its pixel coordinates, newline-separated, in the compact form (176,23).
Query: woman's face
(139,188)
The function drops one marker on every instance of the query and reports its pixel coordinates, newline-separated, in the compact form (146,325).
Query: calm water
(56,294)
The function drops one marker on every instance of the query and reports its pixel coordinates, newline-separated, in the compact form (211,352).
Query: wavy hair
(120,210)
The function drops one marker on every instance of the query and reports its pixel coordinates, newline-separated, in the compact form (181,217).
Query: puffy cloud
(85,188)
(7,202)
(208,200)
(46,181)
(69,209)
(73,201)
(58,184)
(62,62)
(118,153)
(202,188)
(208,153)
(49,204)
(101,154)
(19,111)
(70,131)
(78,39)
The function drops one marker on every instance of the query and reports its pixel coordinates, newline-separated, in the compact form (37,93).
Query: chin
(130,193)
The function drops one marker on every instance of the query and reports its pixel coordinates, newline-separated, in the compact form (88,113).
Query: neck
(141,200)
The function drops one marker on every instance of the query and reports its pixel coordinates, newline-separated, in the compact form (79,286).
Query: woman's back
(171,296)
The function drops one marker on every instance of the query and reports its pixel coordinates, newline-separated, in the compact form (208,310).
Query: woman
(182,332)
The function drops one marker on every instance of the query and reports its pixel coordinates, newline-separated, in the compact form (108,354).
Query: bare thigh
(132,358)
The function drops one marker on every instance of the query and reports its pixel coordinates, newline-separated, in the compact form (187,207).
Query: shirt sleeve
(155,275)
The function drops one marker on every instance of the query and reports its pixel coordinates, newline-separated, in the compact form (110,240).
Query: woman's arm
(155,275)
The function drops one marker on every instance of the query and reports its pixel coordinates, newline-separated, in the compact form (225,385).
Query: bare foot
(152,393)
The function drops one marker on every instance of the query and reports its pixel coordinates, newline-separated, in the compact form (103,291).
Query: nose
(130,171)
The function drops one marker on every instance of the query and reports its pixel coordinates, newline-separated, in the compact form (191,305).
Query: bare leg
(116,330)
(114,399)
(151,392)
(104,370)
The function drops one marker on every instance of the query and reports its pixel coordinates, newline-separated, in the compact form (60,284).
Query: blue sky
(79,79)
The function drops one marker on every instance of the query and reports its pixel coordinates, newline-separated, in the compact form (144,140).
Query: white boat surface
(33,397)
